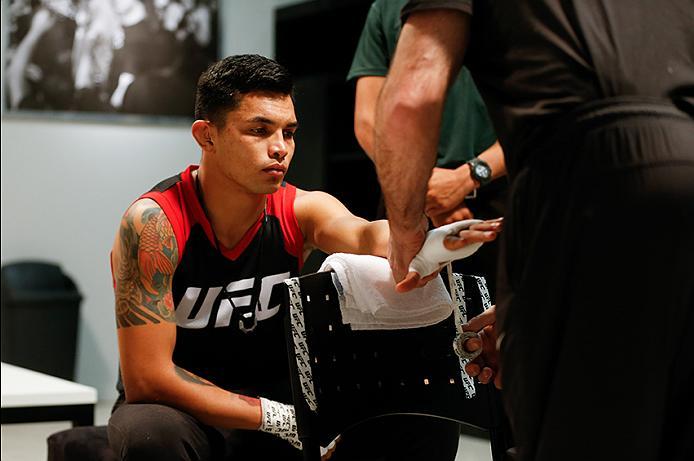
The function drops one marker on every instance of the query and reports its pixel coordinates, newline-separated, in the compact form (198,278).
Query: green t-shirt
(466,130)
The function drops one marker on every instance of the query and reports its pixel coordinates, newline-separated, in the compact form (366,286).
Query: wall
(65,184)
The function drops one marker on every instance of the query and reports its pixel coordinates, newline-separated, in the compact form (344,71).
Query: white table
(30,396)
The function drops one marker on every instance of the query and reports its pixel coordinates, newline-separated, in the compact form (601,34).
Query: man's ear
(202,132)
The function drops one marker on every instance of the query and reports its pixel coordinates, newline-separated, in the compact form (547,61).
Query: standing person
(468,180)
(203,357)
(98,33)
(592,102)
(39,70)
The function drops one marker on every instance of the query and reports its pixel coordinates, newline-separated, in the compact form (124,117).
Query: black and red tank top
(214,286)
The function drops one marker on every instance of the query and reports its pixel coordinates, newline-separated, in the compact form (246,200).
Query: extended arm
(145,255)
(408,118)
(329,226)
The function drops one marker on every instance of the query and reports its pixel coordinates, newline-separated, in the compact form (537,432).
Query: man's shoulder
(143,207)
(307,203)
(166,184)
(145,223)
(174,195)
(310,195)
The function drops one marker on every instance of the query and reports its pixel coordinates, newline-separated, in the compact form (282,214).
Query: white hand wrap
(279,419)
(434,254)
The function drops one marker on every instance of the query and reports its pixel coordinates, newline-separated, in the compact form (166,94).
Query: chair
(342,377)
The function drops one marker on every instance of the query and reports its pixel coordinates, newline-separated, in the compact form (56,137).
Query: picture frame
(114,60)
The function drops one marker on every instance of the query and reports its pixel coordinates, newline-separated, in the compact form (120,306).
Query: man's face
(256,144)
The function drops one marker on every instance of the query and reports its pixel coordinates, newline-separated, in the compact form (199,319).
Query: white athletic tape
(303,361)
(279,419)
(433,255)
(484,292)
(455,281)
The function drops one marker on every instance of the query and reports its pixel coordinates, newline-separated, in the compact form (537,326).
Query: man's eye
(260,130)
(289,134)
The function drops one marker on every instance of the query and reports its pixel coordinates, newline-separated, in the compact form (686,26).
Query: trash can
(40,314)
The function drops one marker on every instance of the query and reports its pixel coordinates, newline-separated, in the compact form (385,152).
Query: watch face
(482,171)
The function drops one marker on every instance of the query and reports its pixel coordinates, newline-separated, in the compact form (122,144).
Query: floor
(27,442)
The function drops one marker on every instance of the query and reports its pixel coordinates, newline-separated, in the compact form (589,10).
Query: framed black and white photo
(129,57)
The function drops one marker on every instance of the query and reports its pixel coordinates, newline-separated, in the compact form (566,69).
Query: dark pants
(400,438)
(596,296)
(157,432)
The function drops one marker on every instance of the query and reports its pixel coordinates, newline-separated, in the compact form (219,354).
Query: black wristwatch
(480,171)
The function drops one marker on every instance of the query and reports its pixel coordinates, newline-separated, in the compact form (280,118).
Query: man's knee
(154,432)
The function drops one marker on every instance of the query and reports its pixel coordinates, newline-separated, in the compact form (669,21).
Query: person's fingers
(327,452)
(459,215)
(491,224)
(480,321)
(472,344)
(437,220)
(500,219)
(466,237)
(472,369)
(485,375)
(436,202)
(442,216)
(409,283)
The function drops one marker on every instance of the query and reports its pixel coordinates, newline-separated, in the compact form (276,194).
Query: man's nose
(278,149)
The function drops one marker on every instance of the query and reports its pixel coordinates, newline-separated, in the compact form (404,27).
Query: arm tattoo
(190,377)
(145,269)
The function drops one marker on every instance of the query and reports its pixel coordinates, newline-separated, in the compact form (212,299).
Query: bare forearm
(406,135)
(367,91)
(403,159)
(494,156)
(198,397)
(408,115)
(351,234)
(375,238)
(364,132)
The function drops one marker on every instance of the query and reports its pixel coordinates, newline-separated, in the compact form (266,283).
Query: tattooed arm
(144,258)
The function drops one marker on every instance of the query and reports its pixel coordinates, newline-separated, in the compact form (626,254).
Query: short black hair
(221,86)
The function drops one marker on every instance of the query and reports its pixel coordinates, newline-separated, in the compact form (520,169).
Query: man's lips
(276,169)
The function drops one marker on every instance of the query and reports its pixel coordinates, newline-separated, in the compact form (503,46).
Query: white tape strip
(303,361)
(457,287)
(484,292)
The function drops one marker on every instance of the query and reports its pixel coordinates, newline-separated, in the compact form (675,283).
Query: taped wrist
(434,254)
(279,419)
